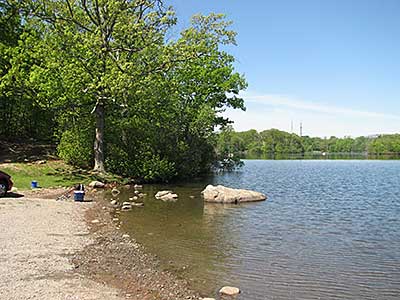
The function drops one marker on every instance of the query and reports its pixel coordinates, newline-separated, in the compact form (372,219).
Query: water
(329,230)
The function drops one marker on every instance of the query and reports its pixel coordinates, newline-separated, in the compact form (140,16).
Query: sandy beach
(55,250)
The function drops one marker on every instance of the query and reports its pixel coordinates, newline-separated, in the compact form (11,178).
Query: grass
(51,174)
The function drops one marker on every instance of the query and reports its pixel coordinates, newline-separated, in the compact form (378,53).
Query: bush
(76,148)
(156,169)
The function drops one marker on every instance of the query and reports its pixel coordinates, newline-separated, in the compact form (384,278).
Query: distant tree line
(114,86)
(274,142)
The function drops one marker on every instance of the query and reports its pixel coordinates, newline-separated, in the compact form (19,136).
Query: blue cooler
(34,184)
(79,196)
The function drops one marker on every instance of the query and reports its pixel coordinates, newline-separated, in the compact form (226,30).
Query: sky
(332,65)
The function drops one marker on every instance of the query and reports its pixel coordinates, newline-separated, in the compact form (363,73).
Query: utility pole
(301,129)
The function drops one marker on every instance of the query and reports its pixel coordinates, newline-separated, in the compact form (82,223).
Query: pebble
(125,236)
(95,221)
(115,191)
(229,291)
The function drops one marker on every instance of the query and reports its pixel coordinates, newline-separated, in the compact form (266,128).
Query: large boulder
(222,194)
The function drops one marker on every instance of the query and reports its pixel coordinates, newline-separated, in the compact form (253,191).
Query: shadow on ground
(13,195)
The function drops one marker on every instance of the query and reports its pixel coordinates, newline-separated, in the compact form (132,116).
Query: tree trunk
(99,140)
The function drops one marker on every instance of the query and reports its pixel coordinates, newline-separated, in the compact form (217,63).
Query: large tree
(94,54)
(110,71)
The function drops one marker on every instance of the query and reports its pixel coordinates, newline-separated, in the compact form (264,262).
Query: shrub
(76,148)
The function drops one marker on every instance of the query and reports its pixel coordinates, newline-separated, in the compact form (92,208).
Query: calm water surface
(329,230)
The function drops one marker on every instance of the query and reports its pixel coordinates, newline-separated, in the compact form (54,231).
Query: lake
(330,229)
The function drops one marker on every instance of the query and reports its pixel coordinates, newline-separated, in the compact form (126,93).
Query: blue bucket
(79,196)
(34,184)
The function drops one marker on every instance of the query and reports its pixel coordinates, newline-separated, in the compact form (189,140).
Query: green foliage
(161,98)
(385,144)
(21,115)
(269,143)
(228,150)
(158,169)
(76,148)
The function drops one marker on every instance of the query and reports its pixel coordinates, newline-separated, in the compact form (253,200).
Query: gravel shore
(51,250)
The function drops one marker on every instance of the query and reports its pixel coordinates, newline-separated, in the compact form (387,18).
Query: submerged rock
(221,194)
(229,291)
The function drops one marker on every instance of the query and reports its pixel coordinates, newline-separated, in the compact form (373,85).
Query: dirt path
(37,239)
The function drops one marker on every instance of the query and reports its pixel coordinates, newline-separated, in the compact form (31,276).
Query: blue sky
(333,65)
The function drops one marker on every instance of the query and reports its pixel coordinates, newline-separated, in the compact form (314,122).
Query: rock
(141,195)
(162,193)
(138,186)
(221,194)
(95,221)
(166,196)
(192,197)
(131,199)
(115,191)
(126,204)
(97,184)
(126,207)
(137,192)
(135,198)
(126,236)
(169,197)
(138,204)
(229,291)
(113,202)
